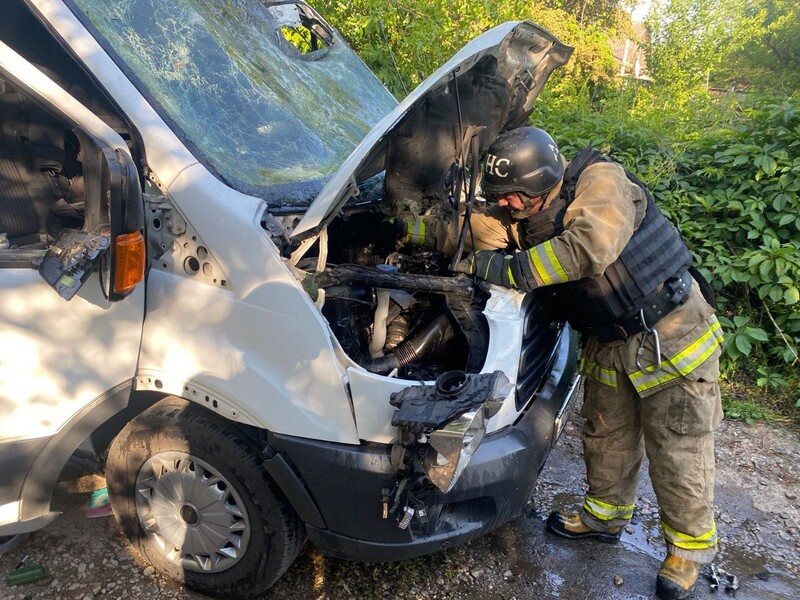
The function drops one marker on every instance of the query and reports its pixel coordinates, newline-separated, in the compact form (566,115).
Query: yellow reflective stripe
(688,542)
(511,279)
(684,362)
(546,264)
(666,374)
(415,232)
(599,374)
(485,276)
(605,511)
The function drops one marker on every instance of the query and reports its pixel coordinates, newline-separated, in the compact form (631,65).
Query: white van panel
(57,356)
(259,345)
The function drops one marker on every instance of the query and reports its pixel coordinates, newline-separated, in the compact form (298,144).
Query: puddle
(644,534)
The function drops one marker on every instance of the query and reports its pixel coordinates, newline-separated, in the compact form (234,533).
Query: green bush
(728,175)
(405,41)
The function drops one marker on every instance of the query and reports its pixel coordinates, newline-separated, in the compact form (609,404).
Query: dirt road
(758,485)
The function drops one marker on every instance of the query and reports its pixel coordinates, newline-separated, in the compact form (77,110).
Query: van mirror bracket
(72,258)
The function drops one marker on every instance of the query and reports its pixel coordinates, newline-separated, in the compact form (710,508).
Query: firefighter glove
(408,233)
(497,268)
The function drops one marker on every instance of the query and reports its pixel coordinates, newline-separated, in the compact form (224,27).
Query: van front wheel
(189,491)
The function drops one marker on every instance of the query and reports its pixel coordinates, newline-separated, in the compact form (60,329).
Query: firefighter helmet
(523,160)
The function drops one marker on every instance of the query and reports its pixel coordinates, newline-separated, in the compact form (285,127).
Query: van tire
(175,427)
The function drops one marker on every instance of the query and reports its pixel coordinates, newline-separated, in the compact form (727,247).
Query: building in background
(629,54)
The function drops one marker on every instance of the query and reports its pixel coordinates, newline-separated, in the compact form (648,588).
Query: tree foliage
(404,42)
(725,42)
(725,170)
(771,56)
(692,38)
(609,15)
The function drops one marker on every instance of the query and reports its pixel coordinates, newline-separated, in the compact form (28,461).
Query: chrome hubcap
(191,513)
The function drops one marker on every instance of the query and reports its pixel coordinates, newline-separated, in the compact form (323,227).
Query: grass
(744,401)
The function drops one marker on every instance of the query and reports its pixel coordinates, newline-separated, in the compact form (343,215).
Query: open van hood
(493,80)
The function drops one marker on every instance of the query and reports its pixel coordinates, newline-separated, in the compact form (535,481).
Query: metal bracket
(175,247)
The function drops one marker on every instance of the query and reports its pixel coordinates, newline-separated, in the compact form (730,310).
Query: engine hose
(438,332)
(378,340)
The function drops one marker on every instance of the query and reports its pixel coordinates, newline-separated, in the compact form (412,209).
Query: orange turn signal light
(129,257)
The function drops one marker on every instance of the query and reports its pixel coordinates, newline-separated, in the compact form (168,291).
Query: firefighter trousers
(674,426)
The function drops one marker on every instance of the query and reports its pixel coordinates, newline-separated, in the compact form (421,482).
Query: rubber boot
(571,527)
(676,578)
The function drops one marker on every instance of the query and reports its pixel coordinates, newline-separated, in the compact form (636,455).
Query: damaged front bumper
(349,484)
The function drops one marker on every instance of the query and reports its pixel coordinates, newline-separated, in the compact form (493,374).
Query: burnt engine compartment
(396,308)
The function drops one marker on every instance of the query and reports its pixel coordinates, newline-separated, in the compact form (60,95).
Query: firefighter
(589,234)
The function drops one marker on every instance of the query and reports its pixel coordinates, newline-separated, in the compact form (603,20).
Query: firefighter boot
(676,577)
(571,527)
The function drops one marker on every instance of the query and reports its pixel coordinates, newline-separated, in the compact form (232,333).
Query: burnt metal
(460,286)
(434,336)
(424,408)
(719,578)
(460,293)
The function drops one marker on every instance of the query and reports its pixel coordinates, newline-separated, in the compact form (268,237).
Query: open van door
(71,227)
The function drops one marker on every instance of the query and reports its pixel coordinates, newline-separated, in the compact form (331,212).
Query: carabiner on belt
(652,331)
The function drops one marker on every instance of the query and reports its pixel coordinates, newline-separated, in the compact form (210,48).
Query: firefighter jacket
(598,224)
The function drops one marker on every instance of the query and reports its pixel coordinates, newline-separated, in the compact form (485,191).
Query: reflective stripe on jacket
(690,336)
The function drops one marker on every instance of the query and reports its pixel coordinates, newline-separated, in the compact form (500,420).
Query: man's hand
(497,268)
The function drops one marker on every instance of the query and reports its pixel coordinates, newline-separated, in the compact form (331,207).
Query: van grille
(539,338)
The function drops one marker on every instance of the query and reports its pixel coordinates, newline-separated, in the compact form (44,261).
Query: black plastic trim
(294,490)
(345,482)
(16,458)
(41,478)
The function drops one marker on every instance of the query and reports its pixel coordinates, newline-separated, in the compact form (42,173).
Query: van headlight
(450,417)
(452,446)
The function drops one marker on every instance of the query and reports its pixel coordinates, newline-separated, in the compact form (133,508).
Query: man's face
(515,202)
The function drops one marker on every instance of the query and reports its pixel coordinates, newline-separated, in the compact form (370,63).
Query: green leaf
(756,333)
(743,344)
(791,296)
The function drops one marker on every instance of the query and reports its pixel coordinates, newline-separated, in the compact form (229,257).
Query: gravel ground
(758,484)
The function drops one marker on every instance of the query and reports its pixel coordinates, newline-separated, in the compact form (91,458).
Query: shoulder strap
(583,159)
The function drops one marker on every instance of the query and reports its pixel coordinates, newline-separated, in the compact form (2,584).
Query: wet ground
(758,485)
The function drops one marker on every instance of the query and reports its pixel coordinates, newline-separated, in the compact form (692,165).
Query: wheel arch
(37,487)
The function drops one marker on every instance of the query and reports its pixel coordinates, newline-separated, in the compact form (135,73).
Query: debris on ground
(99,505)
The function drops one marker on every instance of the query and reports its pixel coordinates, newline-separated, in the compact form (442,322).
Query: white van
(199,275)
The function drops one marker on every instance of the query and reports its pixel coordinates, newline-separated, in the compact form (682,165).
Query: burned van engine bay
(403,310)
(396,310)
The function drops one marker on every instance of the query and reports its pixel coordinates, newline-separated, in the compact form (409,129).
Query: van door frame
(32,463)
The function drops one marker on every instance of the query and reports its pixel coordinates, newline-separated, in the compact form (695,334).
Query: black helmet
(524,160)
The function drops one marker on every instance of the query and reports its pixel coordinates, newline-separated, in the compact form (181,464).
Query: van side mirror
(111,237)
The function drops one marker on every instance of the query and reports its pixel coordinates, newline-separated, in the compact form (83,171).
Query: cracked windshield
(265,93)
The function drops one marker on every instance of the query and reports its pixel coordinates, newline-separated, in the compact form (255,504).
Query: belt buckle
(621,331)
